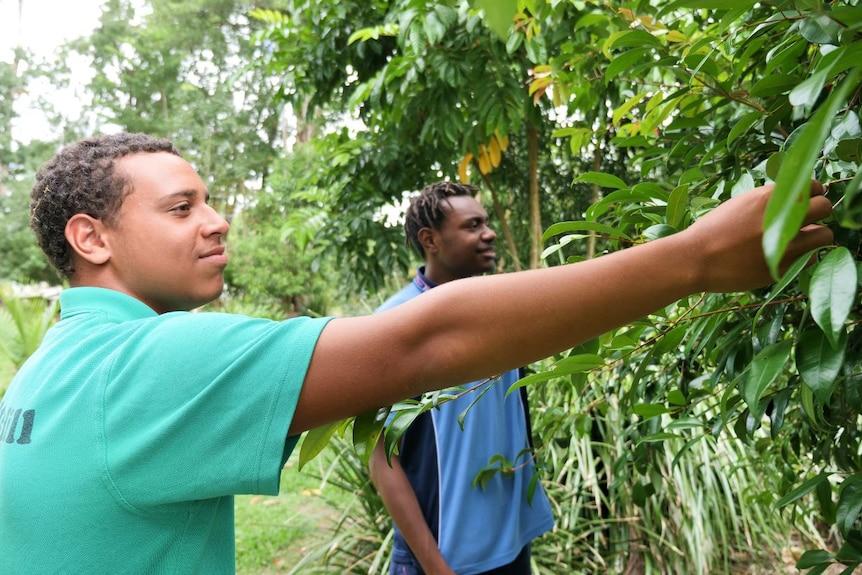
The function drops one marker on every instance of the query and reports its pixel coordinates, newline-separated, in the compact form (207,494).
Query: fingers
(813,236)
(817,189)
(818,208)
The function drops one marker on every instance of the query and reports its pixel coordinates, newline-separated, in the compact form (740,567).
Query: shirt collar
(115,305)
(421,282)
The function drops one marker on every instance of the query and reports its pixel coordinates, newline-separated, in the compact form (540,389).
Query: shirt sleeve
(198,405)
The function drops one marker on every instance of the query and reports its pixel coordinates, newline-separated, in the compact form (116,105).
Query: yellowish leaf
(503,141)
(484,160)
(494,152)
(463,176)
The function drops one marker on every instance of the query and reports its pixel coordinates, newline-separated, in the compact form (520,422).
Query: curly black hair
(81,179)
(427,210)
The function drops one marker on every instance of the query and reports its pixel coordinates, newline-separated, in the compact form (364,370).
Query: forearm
(505,321)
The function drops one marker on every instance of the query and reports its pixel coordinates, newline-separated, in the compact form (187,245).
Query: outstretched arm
(472,328)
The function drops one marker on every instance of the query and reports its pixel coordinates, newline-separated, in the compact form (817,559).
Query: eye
(182,208)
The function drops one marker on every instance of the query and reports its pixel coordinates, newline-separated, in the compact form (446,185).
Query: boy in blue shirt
(443,522)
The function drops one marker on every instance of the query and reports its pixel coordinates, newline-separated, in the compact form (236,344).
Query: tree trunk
(535,208)
(503,218)
(596,195)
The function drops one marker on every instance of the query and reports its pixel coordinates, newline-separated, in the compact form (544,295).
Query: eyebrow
(188,194)
(479,219)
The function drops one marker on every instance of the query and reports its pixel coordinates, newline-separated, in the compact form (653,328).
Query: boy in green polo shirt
(125,436)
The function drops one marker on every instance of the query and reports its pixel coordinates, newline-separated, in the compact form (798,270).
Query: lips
(216,255)
(488,253)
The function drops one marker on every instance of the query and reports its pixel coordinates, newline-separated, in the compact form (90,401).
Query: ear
(86,236)
(428,240)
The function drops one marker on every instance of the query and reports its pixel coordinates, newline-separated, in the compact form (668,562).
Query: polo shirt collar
(421,282)
(113,304)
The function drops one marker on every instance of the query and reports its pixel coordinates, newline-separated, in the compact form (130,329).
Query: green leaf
(851,211)
(677,204)
(658,231)
(788,204)
(658,437)
(647,410)
(709,4)
(499,15)
(601,179)
(773,85)
(626,106)
(366,431)
(742,125)
(626,38)
(804,489)
(807,92)
(819,363)
(403,419)
(849,150)
(832,292)
(315,441)
(820,29)
(578,364)
(670,340)
(765,369)
(792,272)
(814,558)
(774,163)
(570,227)
(849,503)
(778,411)
(625,61)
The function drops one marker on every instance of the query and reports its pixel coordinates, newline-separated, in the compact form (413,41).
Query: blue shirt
(477,529)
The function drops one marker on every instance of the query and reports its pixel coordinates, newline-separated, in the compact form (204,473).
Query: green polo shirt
(125,436)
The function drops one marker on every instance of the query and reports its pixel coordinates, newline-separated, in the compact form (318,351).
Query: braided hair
(428,209)
(81,179)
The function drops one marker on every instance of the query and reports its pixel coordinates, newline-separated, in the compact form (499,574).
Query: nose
(216,224)
(488,234)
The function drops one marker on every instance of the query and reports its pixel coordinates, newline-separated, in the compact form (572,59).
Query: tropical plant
(23,323)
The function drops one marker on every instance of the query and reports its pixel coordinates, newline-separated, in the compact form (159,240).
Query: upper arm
(358,365)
